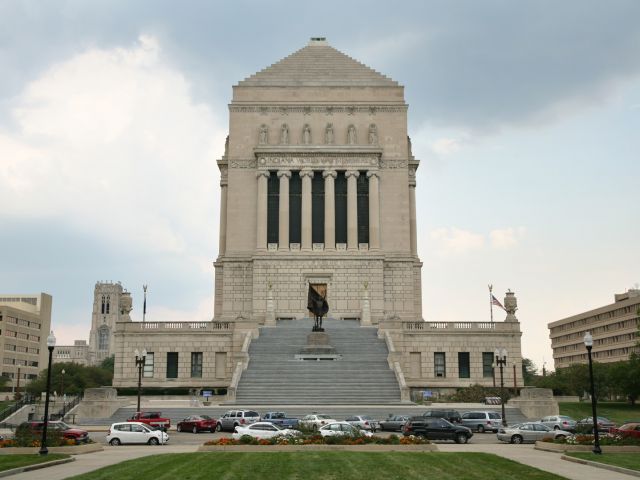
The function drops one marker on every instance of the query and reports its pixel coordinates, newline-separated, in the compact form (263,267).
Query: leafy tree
(76,379)
(529,371)
(108,363)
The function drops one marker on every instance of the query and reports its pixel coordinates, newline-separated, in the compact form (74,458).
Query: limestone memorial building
(317,188)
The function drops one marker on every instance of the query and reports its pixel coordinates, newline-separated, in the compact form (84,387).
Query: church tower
(111,304)
(318,187)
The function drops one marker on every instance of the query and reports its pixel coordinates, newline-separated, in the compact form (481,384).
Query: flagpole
(491,301)
(144,306)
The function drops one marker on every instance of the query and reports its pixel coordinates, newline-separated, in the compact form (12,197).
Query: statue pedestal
(317,348)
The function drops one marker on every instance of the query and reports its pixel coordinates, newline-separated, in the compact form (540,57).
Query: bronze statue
(317,304)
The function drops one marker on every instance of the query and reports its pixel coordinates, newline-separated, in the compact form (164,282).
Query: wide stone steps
(361,375)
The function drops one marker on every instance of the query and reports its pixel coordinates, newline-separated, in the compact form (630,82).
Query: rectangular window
(317,208)
(463,365)
(196,364)
(147,371)
(172,364)
(341,207)
(273,206)
(295,207)
(487,364)
(439,363)
(363,207)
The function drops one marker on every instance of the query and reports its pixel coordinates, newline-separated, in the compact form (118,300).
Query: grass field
(320,465)
(616,411)
(8,462)
(626,460)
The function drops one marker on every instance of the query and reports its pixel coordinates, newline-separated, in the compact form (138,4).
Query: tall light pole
(501,361)
(588,342)
(62,391)
(51,343)
(140,358)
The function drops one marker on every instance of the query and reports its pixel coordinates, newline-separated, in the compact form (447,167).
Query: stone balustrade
(131,327)
(417,327)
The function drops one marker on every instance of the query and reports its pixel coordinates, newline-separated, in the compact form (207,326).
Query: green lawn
(618,412)
(319,465)
(8,462)
(626,460)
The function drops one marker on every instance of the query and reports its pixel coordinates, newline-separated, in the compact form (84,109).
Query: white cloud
(111,142)
(454,241)
(506,237)
(445,146)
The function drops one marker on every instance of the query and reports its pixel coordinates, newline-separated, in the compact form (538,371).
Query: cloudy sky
(525,116)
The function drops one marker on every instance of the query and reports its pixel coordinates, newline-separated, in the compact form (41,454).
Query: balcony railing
(460,326)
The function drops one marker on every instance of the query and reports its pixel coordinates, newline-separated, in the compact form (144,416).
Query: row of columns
(329,209)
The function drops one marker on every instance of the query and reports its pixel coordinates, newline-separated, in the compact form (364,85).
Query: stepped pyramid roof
(318,64)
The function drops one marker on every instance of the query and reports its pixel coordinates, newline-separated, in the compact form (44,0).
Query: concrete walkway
(525,454)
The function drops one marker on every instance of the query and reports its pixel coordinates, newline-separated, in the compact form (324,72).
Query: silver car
(482,421)
(363,422)
(234,418)
(529,432)
(559,422)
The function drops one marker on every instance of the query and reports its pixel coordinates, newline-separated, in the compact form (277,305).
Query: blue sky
(524,115)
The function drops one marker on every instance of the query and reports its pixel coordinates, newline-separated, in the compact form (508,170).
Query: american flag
(495,301)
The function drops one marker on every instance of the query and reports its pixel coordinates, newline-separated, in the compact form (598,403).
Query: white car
(529,432)
(263,430)
(135,432)
(316,420)
(363,422)
(343,428)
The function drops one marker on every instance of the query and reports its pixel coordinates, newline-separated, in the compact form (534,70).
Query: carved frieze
(326,161)
(385,163)
(250,163)
(325,109)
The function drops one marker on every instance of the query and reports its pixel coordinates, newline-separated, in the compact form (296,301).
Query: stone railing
(176,326)
(241,365)
(393,360)
(417,327)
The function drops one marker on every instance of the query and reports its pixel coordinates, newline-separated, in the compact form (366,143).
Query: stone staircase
(275,377)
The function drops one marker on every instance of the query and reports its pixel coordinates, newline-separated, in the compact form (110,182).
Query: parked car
(363,422)
(529,432)
(631,429)
(482,421)
(452,416)
(280,418)
(197,423)
(436,429)
(135,432)
(235,418)
(343,428)
(77,435)
(264,430)
(560,422)
(153,419)
(585,425)
(316,420)
(394,423)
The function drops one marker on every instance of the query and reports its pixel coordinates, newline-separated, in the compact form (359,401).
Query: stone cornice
(309,109)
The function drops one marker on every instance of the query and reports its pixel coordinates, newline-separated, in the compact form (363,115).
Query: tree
(108,363)
(76,379)
(529,371)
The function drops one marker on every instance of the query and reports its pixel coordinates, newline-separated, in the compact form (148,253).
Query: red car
(68,432)
(627,430)
(197,423)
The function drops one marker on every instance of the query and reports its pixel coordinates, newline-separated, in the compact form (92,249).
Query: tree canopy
(75,380)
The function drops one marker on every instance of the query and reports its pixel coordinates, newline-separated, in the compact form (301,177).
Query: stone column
(412,219)
(283,215)
(261,211)
(374,210)
(306,209)
(222,242)
(329,209)
(352,209)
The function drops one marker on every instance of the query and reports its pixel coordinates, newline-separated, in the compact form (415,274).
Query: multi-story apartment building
(614,328)
(25,322)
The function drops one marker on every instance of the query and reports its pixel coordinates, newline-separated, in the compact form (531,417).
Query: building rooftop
(318,64)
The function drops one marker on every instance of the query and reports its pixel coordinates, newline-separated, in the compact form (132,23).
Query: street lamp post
(588,342)
(62,391)
(501,361)
(51,343)
(140,358)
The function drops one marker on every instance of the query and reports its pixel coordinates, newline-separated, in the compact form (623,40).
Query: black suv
(436,429)
(451,415)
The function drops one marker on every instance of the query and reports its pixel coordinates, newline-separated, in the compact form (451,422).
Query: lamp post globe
(588,343)
(51,343)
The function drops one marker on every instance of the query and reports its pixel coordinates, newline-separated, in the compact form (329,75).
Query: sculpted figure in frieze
(373,134)
(263,137)
(306,134)
(351,135)
(284,134)
(328,134)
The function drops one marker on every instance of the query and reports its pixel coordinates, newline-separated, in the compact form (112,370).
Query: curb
(604,466)
(37,466)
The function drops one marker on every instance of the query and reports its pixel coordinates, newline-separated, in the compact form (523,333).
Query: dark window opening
(295,207)
(363,208)
(273,213)
(317,208)
(463,365)
(172,364)
(487,364)
(341,208)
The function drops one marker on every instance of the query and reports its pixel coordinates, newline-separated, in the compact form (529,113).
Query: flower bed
(320,440)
